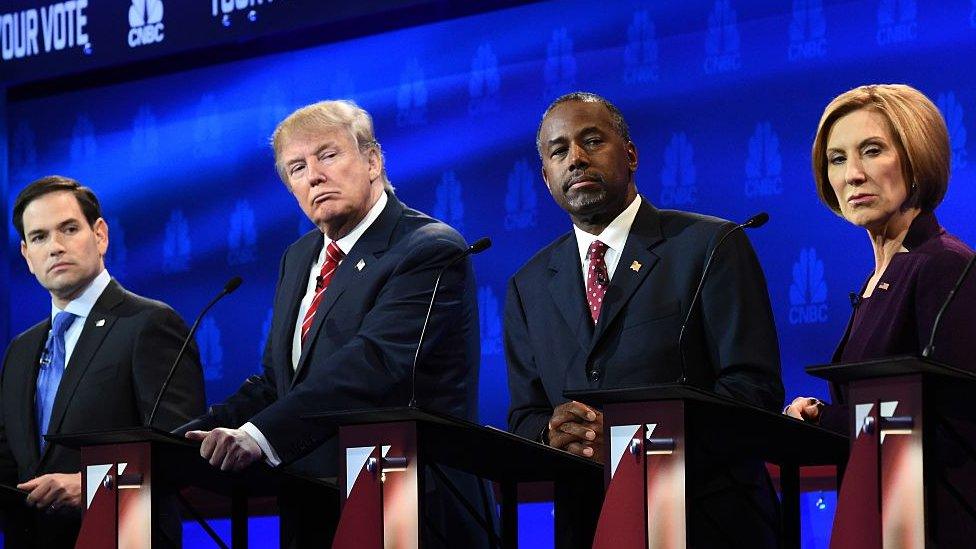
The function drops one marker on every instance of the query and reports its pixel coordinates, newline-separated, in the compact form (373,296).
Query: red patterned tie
(333,255)
(597,278)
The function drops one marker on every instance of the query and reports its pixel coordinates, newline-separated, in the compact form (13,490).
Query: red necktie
(597,278)
(333,255)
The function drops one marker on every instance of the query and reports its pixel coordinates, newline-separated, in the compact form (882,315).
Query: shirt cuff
(270,456)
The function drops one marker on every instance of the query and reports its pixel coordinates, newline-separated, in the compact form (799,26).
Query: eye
(836,159)
(872,150)
(561,151)
(295,168)
(327,155)
(71,229)
(593,141)
(37,238)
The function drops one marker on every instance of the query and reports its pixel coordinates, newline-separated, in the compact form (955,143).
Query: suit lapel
(97,326)
(636,261)
(28,425)
(297,282)
(370,245)
(566,288)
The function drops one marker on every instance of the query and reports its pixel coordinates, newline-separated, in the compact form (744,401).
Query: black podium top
(177,462)
(739,428)
(484,451)
(887,367)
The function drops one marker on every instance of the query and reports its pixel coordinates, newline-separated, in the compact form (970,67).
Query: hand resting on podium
(577,429)
(227,449)
(53,491)
(805,408)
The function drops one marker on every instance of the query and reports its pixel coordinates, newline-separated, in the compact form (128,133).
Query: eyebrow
(584,131)
(863,142)
(326,145)
(61,225)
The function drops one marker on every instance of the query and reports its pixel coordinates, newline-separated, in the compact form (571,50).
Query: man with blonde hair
(348,311)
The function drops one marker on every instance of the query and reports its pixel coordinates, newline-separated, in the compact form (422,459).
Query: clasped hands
(577,429)
(227,449)
(805,408)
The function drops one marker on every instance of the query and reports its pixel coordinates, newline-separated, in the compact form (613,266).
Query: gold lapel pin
(360,265)
(635,266)
(883,285)
(100,323)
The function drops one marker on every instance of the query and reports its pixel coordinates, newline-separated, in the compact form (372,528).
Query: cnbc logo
(146,22)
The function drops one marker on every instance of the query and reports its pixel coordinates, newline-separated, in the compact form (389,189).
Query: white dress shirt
(345,244)
(614,236)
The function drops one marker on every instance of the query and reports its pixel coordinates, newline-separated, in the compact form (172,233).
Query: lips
(58,266)
(323,197)
(860,199)
(580,182)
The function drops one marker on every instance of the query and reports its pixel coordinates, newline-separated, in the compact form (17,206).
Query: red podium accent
(128,473)
(648,430)
(905,445)
(385,450)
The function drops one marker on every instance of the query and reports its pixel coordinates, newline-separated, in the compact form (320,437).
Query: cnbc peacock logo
(146,22)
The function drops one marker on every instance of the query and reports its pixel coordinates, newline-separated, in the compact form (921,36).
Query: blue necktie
(52,369)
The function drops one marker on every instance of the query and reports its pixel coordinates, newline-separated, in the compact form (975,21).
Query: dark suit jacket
(731,346)
(360,348)
(111,382)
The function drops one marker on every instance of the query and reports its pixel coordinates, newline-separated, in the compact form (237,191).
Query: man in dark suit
(348,310)
(602,306)
(96,363)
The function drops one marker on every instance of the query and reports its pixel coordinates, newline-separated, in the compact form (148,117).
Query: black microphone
(753,222)
(930,348)
(477,247)
(231,285)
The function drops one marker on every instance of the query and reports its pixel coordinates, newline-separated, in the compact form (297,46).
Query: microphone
(477,247)
(930,348)
(753,222)
(231,285)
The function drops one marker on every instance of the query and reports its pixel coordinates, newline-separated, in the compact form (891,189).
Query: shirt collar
(81,306)
(614,235)
(347,242)
(923,227)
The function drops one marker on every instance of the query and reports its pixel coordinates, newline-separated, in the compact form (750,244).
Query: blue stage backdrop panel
(723,98)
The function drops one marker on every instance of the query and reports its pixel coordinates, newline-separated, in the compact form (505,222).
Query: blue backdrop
(723,98)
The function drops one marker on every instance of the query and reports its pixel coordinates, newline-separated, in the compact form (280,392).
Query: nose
(578,160)
(316,173)
(854,172)
(56,244)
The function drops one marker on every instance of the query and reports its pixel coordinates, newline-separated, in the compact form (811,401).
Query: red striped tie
(333,255)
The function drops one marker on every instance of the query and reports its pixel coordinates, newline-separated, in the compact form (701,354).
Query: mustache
(594,177)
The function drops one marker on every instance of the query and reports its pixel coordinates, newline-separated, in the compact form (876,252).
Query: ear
(545,178)
(632,156)
(100,228)
(375,160)
(23,252)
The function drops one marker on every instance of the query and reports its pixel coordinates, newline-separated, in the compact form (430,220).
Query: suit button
(594,376)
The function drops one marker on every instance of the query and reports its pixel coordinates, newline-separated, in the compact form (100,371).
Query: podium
(654,437)
(911,476)
(384,452)
(132,476)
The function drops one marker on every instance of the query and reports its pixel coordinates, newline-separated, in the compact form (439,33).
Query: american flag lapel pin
(360,265)
(100,322)
(883,286)
(635,266)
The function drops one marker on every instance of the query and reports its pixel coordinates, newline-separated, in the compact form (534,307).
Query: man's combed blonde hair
(340,113)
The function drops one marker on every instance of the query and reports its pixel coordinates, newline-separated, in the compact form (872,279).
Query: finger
(209,444)
(811,413)
(196,435)
(579,449)
(578,430)
(41,496)
(29,485)
(578,409)
(230,460)
(793,412)
(218,449)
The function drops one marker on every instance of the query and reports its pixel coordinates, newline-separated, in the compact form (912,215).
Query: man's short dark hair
(51,184)
(616,117)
